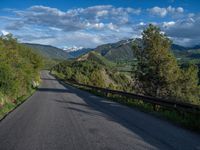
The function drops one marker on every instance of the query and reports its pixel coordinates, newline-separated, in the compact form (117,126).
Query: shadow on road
(53,90)
(47,79)
(156,132)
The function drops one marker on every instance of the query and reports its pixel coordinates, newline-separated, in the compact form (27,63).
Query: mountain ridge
(48,51)
(118,51)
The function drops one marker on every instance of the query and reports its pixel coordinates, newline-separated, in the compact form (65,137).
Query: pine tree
(157,70)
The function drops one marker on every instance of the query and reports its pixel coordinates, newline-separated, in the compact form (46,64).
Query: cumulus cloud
(90,26)
(96,25)
(184,31)
(162,12)
(168,24)
(79,38)
(97,17)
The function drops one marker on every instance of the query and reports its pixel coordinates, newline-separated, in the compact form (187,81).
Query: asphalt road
(66,118)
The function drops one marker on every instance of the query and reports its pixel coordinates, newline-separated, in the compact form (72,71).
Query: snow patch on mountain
(73,48)
(4,33)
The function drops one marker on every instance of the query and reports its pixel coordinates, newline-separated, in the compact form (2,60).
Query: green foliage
(94,70)
(157,70)
(68,73)
(6,79)
(19,67)
(97,79)
(189,84)
(95,56)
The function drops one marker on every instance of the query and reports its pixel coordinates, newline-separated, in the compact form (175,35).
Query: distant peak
(73,48)
(4,33)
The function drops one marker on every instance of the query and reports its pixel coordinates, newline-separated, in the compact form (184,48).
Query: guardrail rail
(174,104)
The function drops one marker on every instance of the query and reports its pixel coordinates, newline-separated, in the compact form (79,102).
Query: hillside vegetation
(122,51)
(155,70)
(93,69)
(19,72)
(50,55)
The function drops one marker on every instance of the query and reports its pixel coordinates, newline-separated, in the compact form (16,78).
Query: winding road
(58,117)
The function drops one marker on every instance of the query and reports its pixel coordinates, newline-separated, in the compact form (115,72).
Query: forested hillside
(155,70)
(19,72)
(93,69)
(122,51)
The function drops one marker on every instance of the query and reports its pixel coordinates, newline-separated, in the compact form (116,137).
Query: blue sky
(89,23)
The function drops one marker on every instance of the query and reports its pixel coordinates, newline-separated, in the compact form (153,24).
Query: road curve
(66,118)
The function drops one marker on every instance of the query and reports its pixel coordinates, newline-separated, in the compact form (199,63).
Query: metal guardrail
(153,100)
(178,105)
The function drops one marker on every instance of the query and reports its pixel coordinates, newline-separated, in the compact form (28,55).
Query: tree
(157,70)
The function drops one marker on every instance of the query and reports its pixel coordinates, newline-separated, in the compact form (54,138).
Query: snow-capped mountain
(4,33)
(73,48)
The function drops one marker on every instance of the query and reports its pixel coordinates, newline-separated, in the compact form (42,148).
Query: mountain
(122,50)
(119,51)
(182,48)
(49,51)
(178,47)
(196,47)
(79,52)
(73,48)
(96,57)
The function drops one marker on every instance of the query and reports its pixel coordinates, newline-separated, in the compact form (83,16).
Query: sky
(89,23)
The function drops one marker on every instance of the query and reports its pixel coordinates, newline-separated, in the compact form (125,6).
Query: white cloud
(158,11)
(39,9)
(91,26)
(55,29)
(184,31)
(180,10)
(75,19)
(168,24)
(162,12)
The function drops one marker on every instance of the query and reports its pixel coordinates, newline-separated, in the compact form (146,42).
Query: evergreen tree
(157,71)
